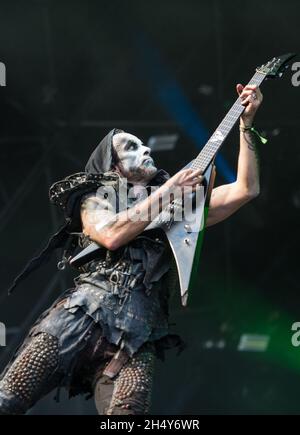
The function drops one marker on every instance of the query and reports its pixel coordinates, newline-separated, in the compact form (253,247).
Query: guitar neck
(215,142)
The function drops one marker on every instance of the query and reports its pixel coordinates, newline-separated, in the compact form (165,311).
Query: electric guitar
(185,236)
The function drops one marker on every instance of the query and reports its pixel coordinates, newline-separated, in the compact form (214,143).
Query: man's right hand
(185,177)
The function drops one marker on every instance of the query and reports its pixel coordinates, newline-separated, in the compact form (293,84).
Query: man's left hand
(251,97)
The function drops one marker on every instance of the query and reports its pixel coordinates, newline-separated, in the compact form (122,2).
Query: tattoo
(250,138)
(96,213)
(90,204)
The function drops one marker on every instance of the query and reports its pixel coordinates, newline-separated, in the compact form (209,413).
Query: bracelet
(243,129)
(250,128)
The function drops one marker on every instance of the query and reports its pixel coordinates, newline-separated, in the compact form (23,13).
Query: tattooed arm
(110,229)
(227,199)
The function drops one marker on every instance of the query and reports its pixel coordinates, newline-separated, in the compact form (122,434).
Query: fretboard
(215,142)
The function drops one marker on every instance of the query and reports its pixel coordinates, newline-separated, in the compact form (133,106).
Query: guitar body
(185,237)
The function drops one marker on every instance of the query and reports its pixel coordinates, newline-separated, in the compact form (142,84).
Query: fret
(216,140)
(226,124)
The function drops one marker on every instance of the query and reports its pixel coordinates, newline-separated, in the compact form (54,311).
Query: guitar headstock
(276,67)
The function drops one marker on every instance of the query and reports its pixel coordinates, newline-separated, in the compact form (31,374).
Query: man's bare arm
(114,230)
(227,199)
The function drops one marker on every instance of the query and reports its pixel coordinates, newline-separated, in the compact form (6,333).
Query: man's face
(134,161)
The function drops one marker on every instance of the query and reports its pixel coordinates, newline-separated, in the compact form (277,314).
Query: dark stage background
(76,69)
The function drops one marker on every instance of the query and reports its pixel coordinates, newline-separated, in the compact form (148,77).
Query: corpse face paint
(134,161)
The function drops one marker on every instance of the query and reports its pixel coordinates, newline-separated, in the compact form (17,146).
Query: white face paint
(134,161)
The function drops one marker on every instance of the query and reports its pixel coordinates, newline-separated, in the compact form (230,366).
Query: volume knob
(188,228)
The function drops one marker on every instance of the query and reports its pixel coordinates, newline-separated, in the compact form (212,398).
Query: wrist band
(252,129)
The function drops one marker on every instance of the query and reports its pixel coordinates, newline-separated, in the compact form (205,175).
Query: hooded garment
(102,158)
(101,161)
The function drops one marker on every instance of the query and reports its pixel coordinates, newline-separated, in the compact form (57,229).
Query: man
(102,336)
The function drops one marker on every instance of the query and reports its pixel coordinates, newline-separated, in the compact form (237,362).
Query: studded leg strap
(133,386)
(26,378)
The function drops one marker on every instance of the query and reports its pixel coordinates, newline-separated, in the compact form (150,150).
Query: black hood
(102,158)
